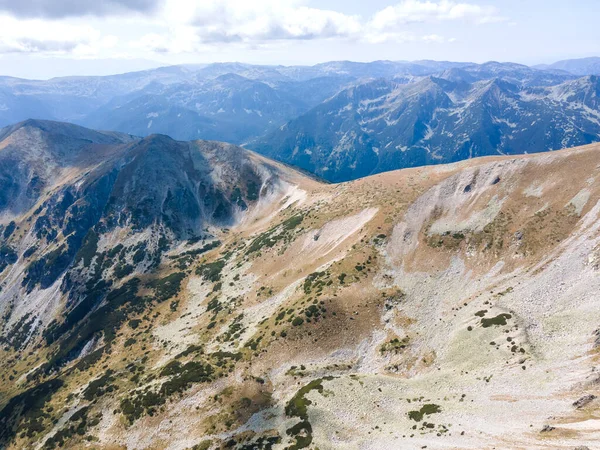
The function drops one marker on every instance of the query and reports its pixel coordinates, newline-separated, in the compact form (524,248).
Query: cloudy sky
(45,38)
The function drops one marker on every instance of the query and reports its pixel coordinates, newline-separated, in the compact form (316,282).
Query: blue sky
(40,39)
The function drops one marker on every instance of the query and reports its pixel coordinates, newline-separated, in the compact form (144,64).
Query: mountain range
(158,293)
(385,125)
(580,67)
(341,120)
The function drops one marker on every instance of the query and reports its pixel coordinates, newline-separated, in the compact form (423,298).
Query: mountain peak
(71,131)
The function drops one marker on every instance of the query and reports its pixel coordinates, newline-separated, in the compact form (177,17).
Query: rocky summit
(194,295)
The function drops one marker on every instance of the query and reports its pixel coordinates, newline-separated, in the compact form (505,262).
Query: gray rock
(584,401)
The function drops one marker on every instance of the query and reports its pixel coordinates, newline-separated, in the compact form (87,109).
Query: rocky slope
(463,113)
(220,300)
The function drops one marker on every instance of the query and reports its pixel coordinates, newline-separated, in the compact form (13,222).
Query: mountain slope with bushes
(194,295)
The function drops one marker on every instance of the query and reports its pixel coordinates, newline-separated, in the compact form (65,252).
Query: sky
(45,38)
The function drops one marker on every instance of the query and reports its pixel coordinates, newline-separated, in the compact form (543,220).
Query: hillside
(194,295)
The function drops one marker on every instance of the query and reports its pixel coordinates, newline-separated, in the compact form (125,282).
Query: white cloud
(436,39)
(227,21)
(54,9)
(50,37)
(403,37)
(178,40)
(416,11)
(200,25)
(195,26)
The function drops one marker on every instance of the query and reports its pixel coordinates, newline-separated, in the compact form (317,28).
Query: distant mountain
(582,66)
(228,107)
(232,102)
(383,125)
(249,104)
(515,73)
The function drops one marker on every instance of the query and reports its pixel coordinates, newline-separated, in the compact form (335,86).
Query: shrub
(211,271)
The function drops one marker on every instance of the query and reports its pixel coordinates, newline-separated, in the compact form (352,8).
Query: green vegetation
(298,407)
(214,305)
(190,350)
(234,331)
(88,249)
(281,232)
(393,300)
(302,432)
(9,230)
(81,325)
(211,271)
(395,345)
(77,425)
(499,320)
(7,257)
(47,269)
(427,409)
(181,377)
(314,312)
(134,323)
(186,258)
(252,191)
(261,443)
(123,270)
(100,386)
(24,412)
(114,251)
(316,281)
(237,198)
(30,251)
(204,445)
(17,336)
(447,240)
(139,253)
(167,287)
(185,375)
(377,240)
